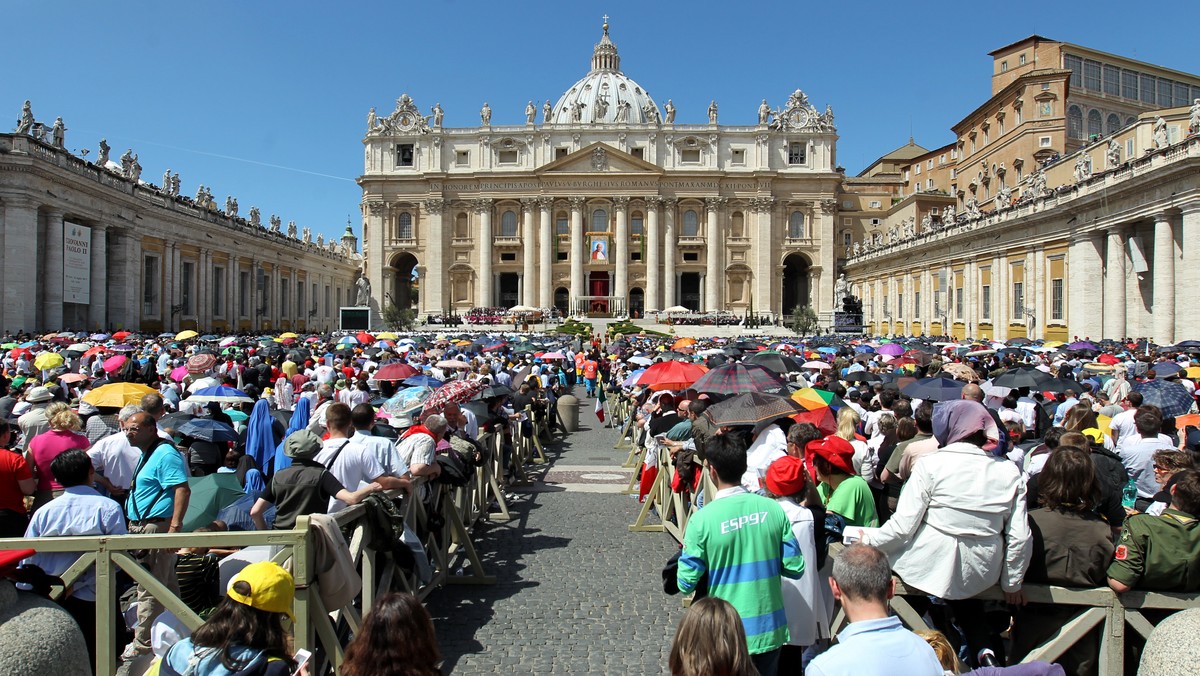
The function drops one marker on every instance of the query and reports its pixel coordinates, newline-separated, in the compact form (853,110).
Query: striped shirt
(745,543)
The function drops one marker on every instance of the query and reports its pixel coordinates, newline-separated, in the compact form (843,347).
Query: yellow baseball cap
(271,588)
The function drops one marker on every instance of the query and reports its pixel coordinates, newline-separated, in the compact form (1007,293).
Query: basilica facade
(602,203)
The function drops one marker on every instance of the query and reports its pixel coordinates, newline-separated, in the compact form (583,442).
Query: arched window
(691,224)
(1095,123)
(1113,123)
(1130,120)
(461,230)
(508,224)
(599,221)
(795,225)
(737,225)
(404,229)
(1074,122)
(637,226)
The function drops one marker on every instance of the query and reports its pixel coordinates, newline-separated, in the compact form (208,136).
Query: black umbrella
(863,377)
(775,361)
(1059,385)
(207,429)
(1023,376)
(492,391)
(174,420)
(936,388)
(752,408)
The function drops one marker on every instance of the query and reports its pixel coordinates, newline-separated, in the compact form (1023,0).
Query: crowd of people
(957,468)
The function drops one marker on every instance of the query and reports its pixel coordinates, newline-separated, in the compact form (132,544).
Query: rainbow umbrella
(813,399)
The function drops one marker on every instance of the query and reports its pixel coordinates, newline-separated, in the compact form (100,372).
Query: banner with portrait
(598,246)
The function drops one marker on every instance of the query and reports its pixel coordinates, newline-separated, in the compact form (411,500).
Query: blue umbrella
(827,350)
(347,340)
(1172,398)
(628,382)
(299,421)
(220,393)
(422,381)
(29,344)
(1164,369)
(260,441)
(938,388)
(864,348)
(207,429)
(407,399)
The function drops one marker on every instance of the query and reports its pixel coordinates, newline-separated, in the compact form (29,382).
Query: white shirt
(385,452)
(1122,424)
(769,446)
(960,526)
(804,599)
(115,458)
(1137,454)
(355,466)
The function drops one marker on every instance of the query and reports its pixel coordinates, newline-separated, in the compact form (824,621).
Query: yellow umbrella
(118,394)
(184,335)
(386,335)
(1192,372)
(48,360)
(1053,343)
(289,334)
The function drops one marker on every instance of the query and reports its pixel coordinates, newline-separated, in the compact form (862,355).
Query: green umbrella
(9,346)
(210,494)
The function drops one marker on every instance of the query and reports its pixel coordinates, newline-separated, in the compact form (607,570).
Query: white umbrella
(677,308)
(228,341)
(818,365)
(203,383)
(522,308)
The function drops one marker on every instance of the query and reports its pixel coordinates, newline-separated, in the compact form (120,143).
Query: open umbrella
(114,363)
(893,349)
(48,360)
(210,494)
(1172,398)
(863,377)
(1079,345)
(671,375)
(453,364)
(676,309)
(818,365)
(812,399)
(72,377)
(201,363)
(1060,385)
(220,393)
(396,371)
(960,371)
(937,388)
(208,429)
(736,377)
(179,373)
(751,408)
(456,391)
(422,381)
(121,335)
(1022,376)
(822,418)
(186,335)
(493,391)
(779,363)
(117,395)
(406,400)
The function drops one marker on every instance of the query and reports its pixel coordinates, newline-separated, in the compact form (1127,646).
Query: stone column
(373,263)
(98,309)
(764,255)
(433,234)
(1114,285)
(133,289)
(1187,278)
(1041,309)
(255,299)
(713,278)
(485,297)
(670,255)
(577,251)
(653,265)
(823,230)
(621,250)
(52,283)
(1164,280)
(546,251)
(1085,307)
(529,242)
(21,264)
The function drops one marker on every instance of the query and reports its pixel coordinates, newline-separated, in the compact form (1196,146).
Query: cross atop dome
(604,57)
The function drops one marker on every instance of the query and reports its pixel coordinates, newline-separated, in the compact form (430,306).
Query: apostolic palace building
(602,202)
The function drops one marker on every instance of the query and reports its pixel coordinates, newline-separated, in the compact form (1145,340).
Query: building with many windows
(601,202)
(91,247)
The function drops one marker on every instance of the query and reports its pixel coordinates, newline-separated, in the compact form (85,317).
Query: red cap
(836,450)
(786,476)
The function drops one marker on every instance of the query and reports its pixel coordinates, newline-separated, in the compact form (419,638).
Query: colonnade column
(485,296)
(53,291)
(670,294)
(577,250)
(132,290)
(1114,285)
(373,262)
(713,278)
(529,230)
(203,290)
(98,309)
(653,269)
(20,264)
(1164,280)
(621,250)
(1187,281)
(434,280)
(764,254)
(1040,307)
(545,295)
(1085,271)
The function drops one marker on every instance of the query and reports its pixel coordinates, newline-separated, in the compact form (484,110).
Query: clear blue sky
(267,101)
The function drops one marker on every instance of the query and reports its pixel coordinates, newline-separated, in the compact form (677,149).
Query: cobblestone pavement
(576,591)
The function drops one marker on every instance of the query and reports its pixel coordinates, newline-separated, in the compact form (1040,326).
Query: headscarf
(260,439)
(299,421)
(956,420)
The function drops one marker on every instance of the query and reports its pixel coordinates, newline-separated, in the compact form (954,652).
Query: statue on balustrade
(651,113)
(1194,118)
(135,170)
(58,136)
(1161,138)
(669,110)
(25,122)
(127,163)
(255,217)
(857,248)
(712,112)
(229,206)
(485,114)
(307,235)
(102,156)
(1083,168)
(1037,182)
(291,230)
(601,107)
(320,240)
(166,184)
(926,226)
(764,112)
(276,223)
(547,111)
(372,120)
(438,114)
(841,288)
(972,207)
(1114,154)
(364,291)
(530,113)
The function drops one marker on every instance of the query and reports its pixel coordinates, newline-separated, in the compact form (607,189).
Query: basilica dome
(605,95)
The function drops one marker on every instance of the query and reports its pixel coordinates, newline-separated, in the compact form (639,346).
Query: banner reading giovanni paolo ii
(77,263)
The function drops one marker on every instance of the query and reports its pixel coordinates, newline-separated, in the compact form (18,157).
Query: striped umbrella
(456,391)
(736,377)
(751,408)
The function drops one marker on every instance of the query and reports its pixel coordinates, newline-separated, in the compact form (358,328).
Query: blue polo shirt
(153,494)
(877,648)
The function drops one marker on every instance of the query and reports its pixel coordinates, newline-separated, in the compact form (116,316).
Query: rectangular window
(876,204)
(929,184)
(244,293)
(404,155)
(1056,299)
(314,299)
(1129,84)
(797,153)
(985,301)
(285,310)
(1075,65)
(260,284)
(737,156)
(339,297)
(462,158)
(301,310)
(1003,66)
(562,226)
(847,238)
(874,221)
(918,168)
(954,173)
(1044,141)
(639,153)
(1181,94)
(218,291)
(1018,300)
(506,157)
(150,286)
(1112,80)
(562,255)
(691,257)
(561,152)
(1128,148)
(899,306)
(1091,75)
(1164,92)
(916,305)
(847,204)
(942,159)
(186,280)
(1021,59)
(1149,85)
(958,303)
(508,257)
(937,303)
(689,156)
(637,226)
(847,221)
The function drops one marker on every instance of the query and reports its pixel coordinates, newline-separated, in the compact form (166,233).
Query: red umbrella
(395,371)
(1107,358)
(201,363)
(822,418)
(113,364)
(456,391)
(670,375)
(365,338)
(94,351)
(17,352)
(121,335)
